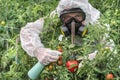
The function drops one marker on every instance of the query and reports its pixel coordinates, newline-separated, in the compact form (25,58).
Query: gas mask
(80,29)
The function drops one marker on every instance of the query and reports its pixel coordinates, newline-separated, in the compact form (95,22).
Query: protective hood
(92,14)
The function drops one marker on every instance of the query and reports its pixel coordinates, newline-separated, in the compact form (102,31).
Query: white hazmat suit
(29,34)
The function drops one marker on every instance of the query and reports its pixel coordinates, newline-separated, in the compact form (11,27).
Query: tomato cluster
(60,62)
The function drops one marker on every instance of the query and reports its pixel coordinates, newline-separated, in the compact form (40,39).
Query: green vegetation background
(14,14)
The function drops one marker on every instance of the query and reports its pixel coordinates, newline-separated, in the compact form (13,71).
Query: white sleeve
(29,36)
(109,43)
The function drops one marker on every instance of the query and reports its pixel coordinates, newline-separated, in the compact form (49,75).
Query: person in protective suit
(81,12)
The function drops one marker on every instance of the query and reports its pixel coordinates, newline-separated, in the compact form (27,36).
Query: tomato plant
(15,63)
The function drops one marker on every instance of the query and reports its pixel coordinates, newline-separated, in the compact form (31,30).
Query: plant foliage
(15,63)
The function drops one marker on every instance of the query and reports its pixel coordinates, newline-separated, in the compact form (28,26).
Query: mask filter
(80,29)
(64,30)
(77,24)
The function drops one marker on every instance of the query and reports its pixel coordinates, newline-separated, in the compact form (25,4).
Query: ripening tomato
(46,78)
(60,62)
(50,67)
(109,76)
(60,50)
(60,58)
(72,65)
(3,23)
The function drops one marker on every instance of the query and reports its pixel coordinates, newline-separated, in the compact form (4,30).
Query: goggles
(79,15)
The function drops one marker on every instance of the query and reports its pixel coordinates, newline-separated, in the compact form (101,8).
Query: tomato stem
(74,76)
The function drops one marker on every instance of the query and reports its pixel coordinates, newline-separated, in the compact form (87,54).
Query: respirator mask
(80,29)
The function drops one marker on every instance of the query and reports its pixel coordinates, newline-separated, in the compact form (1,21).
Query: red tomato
(72,65)
(109,76)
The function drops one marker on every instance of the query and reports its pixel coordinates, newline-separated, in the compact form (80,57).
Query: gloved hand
(46,56)
(91,56)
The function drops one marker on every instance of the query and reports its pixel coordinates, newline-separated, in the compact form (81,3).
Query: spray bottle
(38,67)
